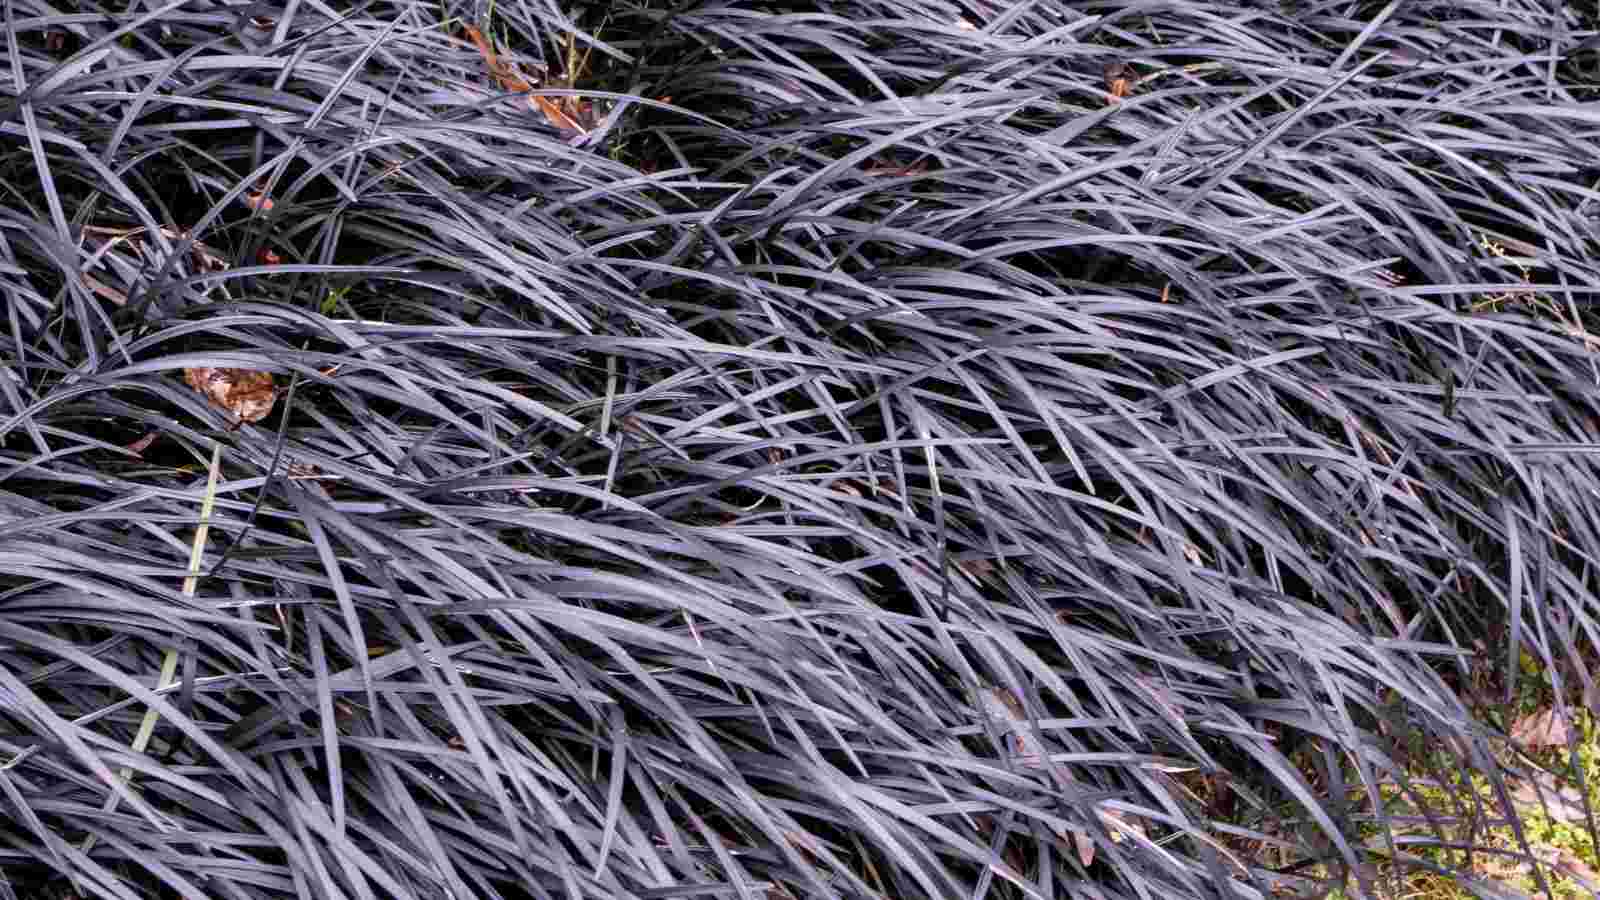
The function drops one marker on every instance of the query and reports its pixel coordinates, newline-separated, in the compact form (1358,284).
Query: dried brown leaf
(1164,700)
(245,393)
(101,289)
(1120,79)
(134,249)
(1085,845)
(136,241)
(1541,729)
(502,72)
(570,115)
(1120,824)
(142,444)
(1543,791)
(566,113)
(977,568)
(887,166)
(1003,706)
(1575,866)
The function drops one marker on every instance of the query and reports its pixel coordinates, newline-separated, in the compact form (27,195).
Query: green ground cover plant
(902,449)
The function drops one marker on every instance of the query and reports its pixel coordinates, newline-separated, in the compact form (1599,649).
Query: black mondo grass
(890,450)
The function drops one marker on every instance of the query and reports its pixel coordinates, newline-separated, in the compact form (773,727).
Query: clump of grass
(880,455)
